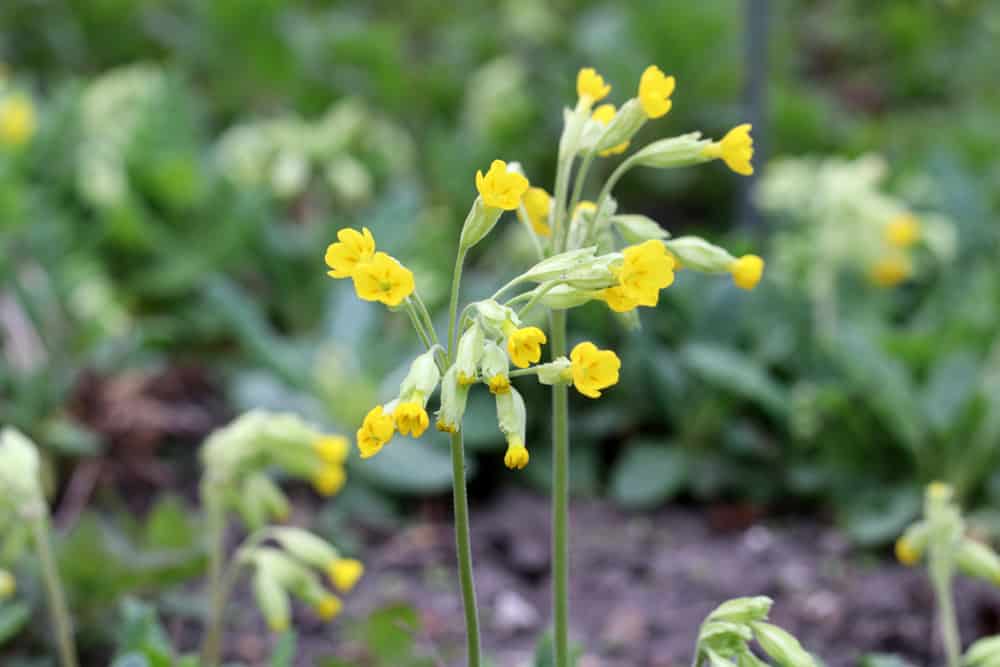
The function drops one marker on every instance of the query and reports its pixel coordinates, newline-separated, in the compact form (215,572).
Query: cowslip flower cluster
(292,564)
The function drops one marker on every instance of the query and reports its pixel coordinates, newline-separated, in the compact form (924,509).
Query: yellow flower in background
(498,384)
(17,120)
(332,448)
(537,204)
(735,149)
(344,573)
(500,188)
(525,346)
(8,585)
(906,553)
(593,369)
(590,85)
(617,299)
(353,249)
(891,270)
(376,430)
(902,231)
(647,268)
(329,480)
(411,418)
(328,607)
(747,271)
(655,89)
(516,456)
(383,279)
(604,114)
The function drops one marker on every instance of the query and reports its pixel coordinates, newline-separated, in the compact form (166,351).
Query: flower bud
(454,395)
(470,351)
(679,151)
(478,223)
(629,119)
(782,646)
(495,367)
(978,560)
(557,371)
(19,466)
(742,610)
(422,379)
(305,546)
(8,585)
(638,228)
(911,545)
(698,254)
(716,660)
(272,600)
(723,636)
(262,500)
(496,319)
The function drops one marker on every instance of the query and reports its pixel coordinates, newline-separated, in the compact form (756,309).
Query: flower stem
(464,550)
(946,619)
(560,498)
(54,590)
(211,647)
(456,283)
(581,179)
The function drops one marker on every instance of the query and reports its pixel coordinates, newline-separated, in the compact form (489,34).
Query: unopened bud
(629,119)
(742,610)
(978,560)
(478,223)
(782,646)
(698,254)
(679,151)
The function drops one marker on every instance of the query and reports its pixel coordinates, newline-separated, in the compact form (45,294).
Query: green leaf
(736,373)
(648,475)
(170,525)
(13,617)
(389,633)
(131,660)
(950,387)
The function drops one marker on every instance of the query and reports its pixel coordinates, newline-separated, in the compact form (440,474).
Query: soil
(641,585)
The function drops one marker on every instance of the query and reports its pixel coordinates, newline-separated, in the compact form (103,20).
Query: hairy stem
(58,609)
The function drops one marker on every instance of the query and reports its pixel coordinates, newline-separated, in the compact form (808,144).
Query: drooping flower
(328,607)
(902,231)
(590,85)
(647,268)
(376,430)
(525,346)
(593,369)
(383,279)
(17,120)
(735,149)
(516,456)
(537,204)
(344,573)
(332,449)
(500,188)
(604,114)
(329,479)
(655,89)
(352,249)
(411,418)
(747,271)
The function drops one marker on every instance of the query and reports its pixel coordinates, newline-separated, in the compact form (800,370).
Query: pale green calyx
(496,318)
(556,371)
(781,645)
(478,223)
(629,119)
(422,378)
(495,363)
(470,351)
(638,228)
(20,485)
(564,297)
(698,254)
(681,151)
(511,414)
(454,396)
(742,610)
(978,560)
(305,546)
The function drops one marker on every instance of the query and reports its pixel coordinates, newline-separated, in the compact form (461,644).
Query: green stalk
(581,179)
(947,620)
(560,498)
(211,647)
(56,596)
(463,545)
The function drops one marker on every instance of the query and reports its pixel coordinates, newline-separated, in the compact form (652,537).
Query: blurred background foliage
(163,224)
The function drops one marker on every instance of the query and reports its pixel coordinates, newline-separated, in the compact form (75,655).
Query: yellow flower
(647,268)
(329,479)
(590,85)
(517,454)
(332,448)
(344,573)
(537,204)
(499,384)
(747,271)
(891,270)
(603,115)
(617,299)
(411,419)
(525,346)
(655,89)
(376,430)
(500,188)
(8,585)
(902,231)
(328,607)
(17,120)
(905,553)
(354,248)
(593,369)
(383,279)
(735,149)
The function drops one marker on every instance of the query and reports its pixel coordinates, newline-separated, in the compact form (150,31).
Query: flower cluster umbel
(622,260)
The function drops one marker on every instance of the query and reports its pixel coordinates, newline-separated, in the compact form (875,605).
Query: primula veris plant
(586,251)
(939,539)
(727,636)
